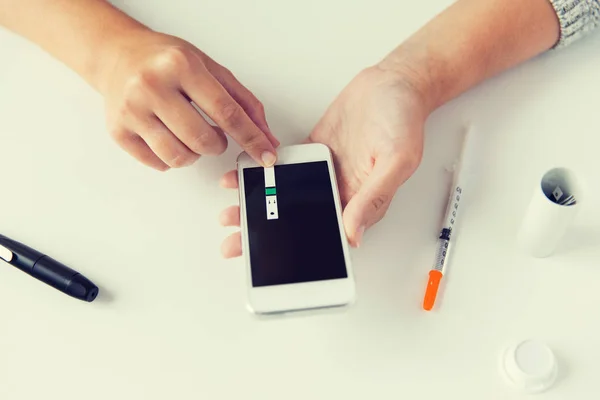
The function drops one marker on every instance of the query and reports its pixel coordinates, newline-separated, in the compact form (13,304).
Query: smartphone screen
(293,230)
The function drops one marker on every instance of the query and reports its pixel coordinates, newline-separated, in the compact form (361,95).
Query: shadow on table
(563,369)
(104,296)
(579,238)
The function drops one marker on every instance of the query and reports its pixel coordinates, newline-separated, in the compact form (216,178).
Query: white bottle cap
(530,366)
(554,204)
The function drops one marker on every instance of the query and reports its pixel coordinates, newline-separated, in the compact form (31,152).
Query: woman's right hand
(148,90)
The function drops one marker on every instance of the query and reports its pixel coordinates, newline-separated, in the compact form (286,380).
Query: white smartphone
(293,240)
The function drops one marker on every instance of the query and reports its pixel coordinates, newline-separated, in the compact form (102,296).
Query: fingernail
(359,235)
(268,158)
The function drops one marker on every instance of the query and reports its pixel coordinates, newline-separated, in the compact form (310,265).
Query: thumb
(373,198)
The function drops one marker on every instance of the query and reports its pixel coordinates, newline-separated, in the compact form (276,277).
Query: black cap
(82,288)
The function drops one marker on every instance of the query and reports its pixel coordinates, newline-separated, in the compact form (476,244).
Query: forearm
(83,34)
(471,41)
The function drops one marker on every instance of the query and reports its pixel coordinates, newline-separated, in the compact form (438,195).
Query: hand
(375,131)
(148,92)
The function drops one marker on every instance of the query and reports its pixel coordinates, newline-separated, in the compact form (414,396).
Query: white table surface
(171,322)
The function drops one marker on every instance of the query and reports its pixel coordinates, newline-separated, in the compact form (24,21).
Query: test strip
(269,177)
(271,193)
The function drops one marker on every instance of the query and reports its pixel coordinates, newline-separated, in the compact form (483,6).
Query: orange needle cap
(432,288)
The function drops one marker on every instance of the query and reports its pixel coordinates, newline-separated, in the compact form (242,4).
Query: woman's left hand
(375,131)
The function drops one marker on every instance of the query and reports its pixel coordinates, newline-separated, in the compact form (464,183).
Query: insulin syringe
(444,241)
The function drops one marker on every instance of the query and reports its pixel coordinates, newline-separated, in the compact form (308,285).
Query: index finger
(217,103)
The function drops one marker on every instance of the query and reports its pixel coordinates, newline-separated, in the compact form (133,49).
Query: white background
(171,321)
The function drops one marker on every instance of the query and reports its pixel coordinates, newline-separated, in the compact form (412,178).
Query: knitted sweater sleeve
(577,18)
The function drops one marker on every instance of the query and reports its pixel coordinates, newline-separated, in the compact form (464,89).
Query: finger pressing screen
(217,103)
(251,105)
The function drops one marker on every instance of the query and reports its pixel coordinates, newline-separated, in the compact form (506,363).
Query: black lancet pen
(47,270)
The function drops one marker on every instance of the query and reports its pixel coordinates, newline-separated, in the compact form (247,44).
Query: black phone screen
(293,230)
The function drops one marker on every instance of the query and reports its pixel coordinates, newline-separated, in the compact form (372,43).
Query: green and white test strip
(271,193)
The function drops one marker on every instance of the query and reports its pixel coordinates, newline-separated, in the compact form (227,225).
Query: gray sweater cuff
(577,18)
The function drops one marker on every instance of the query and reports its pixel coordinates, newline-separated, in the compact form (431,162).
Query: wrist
(109,51)
(413,71)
